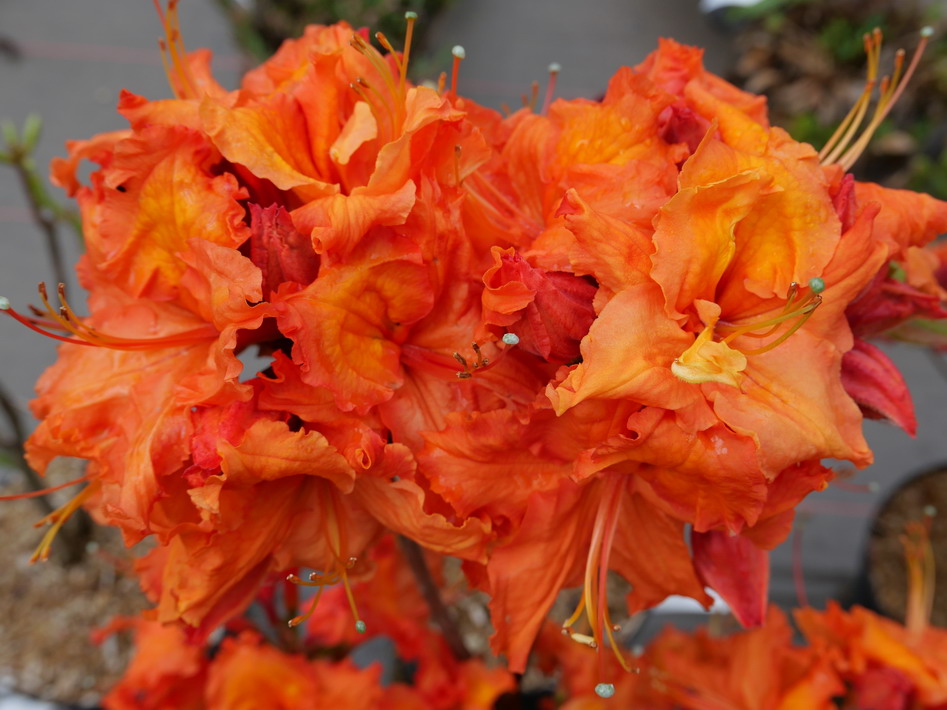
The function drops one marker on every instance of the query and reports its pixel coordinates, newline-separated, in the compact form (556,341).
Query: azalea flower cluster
(244,670)
(550,344)
(851,659)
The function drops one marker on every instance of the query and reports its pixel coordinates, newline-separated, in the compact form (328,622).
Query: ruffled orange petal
(489,463)
(348,325)
(270,138)
(158,192)
(628,354)
(650,552)
(269,451)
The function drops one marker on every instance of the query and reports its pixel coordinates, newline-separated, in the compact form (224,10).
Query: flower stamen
(593,603)
(709,360)
(58,518)
(65,319)
(459,54)
(554,70)
(173,54)
(921,564)
(335,537)
(843,148)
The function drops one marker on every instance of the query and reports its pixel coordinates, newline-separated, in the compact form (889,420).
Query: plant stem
(15,448)
(33,189)
(414,556)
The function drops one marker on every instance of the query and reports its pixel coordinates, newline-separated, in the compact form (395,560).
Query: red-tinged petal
(678,124)
(279,250)
(549,312)
(347,326)
(336,224)
(489,463)
(270,139)
(882,689)
(737,570)
(876,385)
(782,497)
(269,451)
(615,252)
(845,201)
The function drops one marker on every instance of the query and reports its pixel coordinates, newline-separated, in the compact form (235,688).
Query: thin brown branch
(414,556)
(15,448)
(46,223)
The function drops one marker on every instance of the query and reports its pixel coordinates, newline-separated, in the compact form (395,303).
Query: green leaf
(32,129)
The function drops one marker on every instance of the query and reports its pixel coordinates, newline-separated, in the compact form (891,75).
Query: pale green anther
(4,304)
(816,285)
(605,690)
(459,52)
(360,626)
(410,15)
(927,31)
(511,338)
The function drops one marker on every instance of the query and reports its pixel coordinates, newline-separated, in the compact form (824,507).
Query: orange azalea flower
(166,673)
(169,672)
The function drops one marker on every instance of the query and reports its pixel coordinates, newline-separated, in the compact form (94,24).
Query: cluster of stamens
(65,320)
(846,145)
(173,54)
(323,580)
(335,537)
(593,604)
(799,311)
(482,363)
(388,108)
